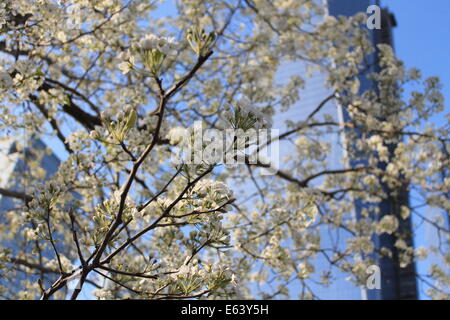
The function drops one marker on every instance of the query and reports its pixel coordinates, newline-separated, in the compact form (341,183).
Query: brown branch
(16,194)
(131,274)
(113,280)
(52,242)
(142,207)
(75,237)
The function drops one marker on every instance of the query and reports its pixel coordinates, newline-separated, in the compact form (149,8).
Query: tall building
(16,160)
(311,96)
(396,282)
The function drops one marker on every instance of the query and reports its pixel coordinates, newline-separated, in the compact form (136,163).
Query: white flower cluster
(193,277)
(187,271)
(376,142)
(151,50)
(216,191)
(47,192)
(305,269)
(200,41)
(277,256)
(388,224)
(165,45)
(177,135)
(34,234)
(127,63)
(103,294)
(66,264)
(3,12)
(421,253)
(359,244)
(245,116)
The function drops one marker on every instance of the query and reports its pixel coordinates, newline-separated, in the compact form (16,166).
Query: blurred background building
(396,282)
(16,160)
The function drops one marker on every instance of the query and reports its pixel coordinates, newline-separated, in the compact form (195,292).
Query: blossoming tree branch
(117,87)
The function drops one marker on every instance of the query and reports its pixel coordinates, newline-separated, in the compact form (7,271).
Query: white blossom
(166,45)
(388,224)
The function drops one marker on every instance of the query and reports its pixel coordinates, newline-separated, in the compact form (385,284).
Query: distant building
(15,160)
(396,282)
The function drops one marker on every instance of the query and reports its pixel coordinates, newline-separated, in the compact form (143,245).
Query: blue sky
(422,37)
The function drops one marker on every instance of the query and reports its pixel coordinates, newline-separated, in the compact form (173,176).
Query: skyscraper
(396,282)
(16,160)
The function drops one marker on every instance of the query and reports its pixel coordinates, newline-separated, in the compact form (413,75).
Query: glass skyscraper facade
(311,96)
(396,282)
